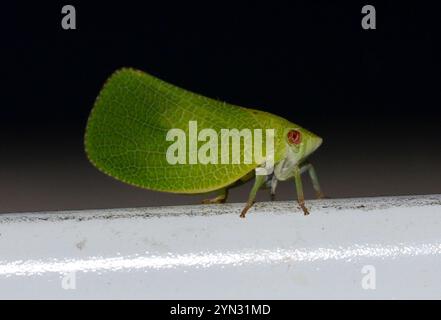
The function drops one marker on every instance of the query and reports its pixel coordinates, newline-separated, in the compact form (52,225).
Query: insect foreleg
(299,189)
(312,174)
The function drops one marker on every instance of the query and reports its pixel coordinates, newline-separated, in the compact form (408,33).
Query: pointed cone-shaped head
(302,142)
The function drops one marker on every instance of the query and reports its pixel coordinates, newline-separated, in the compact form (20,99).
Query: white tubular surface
(348,248)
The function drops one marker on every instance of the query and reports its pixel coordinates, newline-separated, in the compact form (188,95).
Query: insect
(128,138)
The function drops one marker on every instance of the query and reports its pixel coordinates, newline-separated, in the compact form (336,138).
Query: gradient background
(373,95)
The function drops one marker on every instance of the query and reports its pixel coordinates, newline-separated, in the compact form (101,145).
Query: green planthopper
(151,134)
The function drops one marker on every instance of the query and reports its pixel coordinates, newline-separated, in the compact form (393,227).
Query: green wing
(126,133)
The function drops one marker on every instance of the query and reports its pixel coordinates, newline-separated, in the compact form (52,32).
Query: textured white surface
(208,252)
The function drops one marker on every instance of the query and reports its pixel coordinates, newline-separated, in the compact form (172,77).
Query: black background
(373,95)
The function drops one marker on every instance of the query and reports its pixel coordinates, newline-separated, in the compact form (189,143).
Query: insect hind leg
(221,197)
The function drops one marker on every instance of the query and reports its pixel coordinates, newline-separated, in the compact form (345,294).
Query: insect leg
(221,197)
(271,183)
(312,174)
(258,182)
(273,187)
(299,188)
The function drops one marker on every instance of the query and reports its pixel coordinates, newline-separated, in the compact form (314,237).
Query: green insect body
(127,130)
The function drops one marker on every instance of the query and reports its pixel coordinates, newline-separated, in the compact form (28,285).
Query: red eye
(294,137)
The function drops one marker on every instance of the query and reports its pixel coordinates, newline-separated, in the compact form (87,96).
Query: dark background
(373,95)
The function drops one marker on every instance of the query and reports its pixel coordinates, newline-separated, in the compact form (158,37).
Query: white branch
(342,250)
